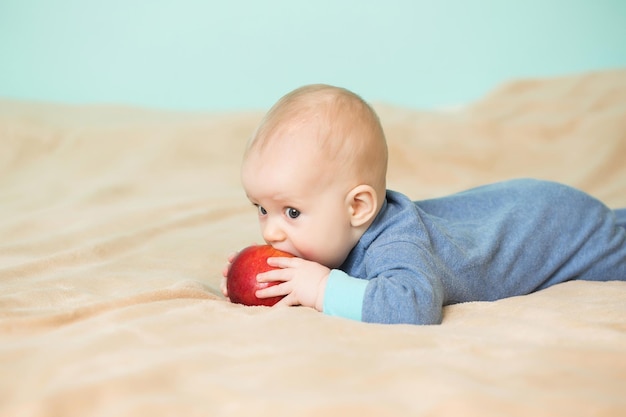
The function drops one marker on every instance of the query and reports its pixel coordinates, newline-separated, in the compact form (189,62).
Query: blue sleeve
(406,288)
(399,294)
(344,295)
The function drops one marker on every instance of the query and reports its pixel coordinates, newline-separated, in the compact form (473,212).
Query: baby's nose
(272,233)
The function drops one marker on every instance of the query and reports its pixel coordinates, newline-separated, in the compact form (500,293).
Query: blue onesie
(491,242)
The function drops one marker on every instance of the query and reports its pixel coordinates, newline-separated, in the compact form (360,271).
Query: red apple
(241,282)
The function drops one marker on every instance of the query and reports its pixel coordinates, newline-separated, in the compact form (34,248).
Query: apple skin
(241,282)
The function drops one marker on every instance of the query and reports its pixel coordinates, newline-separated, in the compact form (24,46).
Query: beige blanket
(116,222)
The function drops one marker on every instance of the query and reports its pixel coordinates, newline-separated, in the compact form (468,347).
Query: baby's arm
(384,299)
(407,291)
(398,298)
(402,285)
(303,282)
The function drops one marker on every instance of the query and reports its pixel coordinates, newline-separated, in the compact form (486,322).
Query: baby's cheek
(318,256)
(305,252)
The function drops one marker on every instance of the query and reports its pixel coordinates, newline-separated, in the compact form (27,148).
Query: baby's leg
(607,247)
(620,215)
(587,236)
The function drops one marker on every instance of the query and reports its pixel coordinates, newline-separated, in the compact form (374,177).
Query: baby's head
(316,168)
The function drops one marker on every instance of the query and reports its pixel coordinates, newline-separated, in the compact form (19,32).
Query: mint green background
(206,55)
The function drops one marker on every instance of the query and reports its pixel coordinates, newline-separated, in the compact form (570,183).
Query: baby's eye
(292,213)
(262,211)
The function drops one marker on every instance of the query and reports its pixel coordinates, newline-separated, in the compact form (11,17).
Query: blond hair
(348,130)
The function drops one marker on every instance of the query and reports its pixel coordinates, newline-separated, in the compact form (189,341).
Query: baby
(316,171)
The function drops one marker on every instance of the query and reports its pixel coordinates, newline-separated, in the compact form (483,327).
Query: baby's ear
(363,205)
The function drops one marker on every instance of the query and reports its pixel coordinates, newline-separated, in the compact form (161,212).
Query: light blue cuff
(344,295)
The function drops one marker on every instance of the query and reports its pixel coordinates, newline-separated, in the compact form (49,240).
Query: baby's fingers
(273,291)
(232,257)
(274,275)
(287,301)
(223,287)
(282,262)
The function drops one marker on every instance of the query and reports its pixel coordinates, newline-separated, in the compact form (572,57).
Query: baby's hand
(304,282)
(225,271)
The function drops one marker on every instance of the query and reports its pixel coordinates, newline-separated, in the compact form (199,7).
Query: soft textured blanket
(116,222)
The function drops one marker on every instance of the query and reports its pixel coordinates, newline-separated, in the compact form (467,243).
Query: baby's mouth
(284,248)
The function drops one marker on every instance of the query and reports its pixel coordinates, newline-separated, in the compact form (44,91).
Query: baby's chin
(328,263)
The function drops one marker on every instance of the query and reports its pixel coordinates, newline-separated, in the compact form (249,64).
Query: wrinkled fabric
(116,223)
